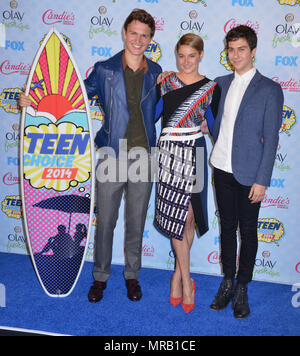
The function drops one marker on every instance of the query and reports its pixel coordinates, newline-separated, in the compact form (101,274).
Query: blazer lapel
(250,91)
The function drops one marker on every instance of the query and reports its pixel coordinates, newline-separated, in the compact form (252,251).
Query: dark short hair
(141,16)
(242,31)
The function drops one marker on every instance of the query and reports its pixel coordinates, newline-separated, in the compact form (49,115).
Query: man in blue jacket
(126,87)
(246,134)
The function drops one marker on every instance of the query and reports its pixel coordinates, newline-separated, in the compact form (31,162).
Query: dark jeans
(235,210)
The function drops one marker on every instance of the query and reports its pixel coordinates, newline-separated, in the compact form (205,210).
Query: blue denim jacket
(107,81)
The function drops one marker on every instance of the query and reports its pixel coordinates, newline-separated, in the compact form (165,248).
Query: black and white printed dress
(184,108)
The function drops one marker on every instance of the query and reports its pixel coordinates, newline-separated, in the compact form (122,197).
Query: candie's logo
(292,85)
(232,23)
(214,258)
(270,230)
(9,100)
(159,23)
(10,179)
(153,51)
(288,119)
(12,206)
(148,250)
(50,17)
(278,202)
(289,2)
(8,68)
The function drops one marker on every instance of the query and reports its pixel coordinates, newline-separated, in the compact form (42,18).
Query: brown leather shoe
(96,291)
(134,291)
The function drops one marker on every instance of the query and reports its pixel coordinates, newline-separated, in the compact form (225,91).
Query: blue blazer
(256,130)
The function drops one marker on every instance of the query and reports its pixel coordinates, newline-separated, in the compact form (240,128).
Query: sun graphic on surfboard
(55,87)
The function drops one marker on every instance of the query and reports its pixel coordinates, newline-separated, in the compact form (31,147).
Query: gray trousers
(109,195)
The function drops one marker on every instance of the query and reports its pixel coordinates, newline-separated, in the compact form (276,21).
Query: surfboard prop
(56,167)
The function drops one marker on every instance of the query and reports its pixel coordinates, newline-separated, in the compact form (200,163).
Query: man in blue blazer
(246,134)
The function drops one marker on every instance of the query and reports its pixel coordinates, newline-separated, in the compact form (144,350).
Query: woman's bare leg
(181,282)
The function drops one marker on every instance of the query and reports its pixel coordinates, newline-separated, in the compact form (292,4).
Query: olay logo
(50,17)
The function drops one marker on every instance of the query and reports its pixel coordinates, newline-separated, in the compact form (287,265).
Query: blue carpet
(27,306)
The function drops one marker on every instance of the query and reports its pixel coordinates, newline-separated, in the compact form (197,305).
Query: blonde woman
(188,97)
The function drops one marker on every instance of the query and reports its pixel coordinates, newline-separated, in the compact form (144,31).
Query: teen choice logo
(56,156)
(12,206)
(269,230)
(288,119)
(153,52)
(196,1)
(9,100)
(225,61)
(95,109)
(289,2)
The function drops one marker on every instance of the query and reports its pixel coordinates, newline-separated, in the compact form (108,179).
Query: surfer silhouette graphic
(80,234)
(63,245)
(60,244)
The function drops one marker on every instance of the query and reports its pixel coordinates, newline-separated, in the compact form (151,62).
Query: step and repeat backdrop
(93,31)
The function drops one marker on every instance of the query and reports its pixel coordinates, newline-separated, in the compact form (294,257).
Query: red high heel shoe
(174,301)
(189,307)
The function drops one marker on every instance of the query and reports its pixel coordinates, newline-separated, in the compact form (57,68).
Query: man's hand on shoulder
(204,127)
(162,76)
